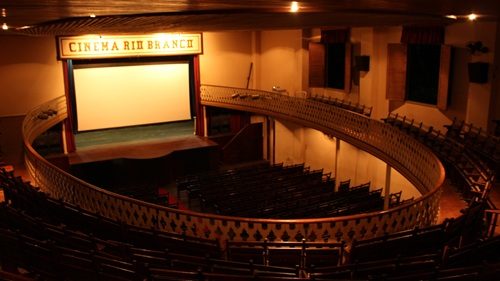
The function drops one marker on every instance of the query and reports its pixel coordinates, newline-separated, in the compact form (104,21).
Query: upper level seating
(23,196)
(53,256)
(58,239)
(476,139)
(432,253)
(406,243)
(464,167)
(300,254)
(358,108)
(360,129)
(63,241)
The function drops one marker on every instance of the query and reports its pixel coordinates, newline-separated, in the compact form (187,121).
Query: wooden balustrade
(409,157)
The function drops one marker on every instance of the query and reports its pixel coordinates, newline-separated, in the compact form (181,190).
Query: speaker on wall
(362,63)
(478,72)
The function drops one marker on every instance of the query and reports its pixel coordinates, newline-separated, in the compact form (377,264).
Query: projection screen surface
(119,96)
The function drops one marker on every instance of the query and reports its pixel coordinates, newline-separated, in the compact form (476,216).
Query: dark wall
(11,140)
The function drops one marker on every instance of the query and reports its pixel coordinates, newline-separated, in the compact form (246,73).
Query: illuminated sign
(86,47)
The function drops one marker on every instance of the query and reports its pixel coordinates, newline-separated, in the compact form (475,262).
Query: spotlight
(294,7)
(472,17)
(5,26)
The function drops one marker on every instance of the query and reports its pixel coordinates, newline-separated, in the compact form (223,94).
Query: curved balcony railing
(409,157)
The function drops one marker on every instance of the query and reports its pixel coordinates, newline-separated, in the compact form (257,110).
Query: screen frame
(76,64)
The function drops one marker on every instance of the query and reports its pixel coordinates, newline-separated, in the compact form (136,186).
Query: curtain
(335,36)
(423,35)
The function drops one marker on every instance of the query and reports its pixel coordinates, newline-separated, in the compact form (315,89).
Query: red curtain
(200,118)
(335,36)
(68,123)
(423,35)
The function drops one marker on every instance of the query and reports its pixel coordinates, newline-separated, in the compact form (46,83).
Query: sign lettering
(84,47)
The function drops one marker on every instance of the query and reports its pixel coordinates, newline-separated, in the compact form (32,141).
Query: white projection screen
(119,96)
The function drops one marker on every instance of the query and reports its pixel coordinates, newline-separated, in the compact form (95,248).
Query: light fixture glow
(451,17)
(294,7)
(4,13)
(92,15)
(5,26)
(472,17)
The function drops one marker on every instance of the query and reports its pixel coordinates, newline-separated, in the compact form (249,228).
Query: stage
(156,154)
(139,149)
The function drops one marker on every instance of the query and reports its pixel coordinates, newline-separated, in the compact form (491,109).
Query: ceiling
(73,17)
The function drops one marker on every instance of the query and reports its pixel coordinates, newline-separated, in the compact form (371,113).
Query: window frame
(397,63)
(318,70)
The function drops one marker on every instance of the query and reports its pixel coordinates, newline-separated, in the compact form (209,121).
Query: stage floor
(142,142)
(134,134)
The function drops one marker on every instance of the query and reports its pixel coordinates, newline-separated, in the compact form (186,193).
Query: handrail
(413,160)
(370,135)
(491,218)
(480,189)
(354,107)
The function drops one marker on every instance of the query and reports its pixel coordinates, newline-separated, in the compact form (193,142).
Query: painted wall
(319,150)
(479,95)
(280,61)
(290,143)
(280,53)
(226,58)
(30,73)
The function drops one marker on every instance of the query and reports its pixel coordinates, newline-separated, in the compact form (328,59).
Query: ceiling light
(4,13)
(5,26)
(451,17)
(294,7)
(92,15)
(472,17)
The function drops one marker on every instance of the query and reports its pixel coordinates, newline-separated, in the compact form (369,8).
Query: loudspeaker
(362,63)
(478,72)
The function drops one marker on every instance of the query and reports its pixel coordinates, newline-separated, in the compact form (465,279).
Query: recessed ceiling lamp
(5,26)
(92,15)
(4,13)
(453,17)
(294,7)
(472,17)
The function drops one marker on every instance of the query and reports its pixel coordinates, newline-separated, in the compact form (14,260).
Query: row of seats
(476,139)
(58,245)
(145,192)
(280,192)
(21,195)
(61,242)
(347,105)
(302,254)
(70,259)
(464,167)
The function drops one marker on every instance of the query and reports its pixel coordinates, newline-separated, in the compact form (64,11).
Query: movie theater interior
(263,140)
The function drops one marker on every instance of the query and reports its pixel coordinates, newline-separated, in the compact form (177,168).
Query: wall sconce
(362,63)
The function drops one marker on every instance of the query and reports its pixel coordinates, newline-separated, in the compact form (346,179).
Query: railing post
(387,189)
(335,173)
